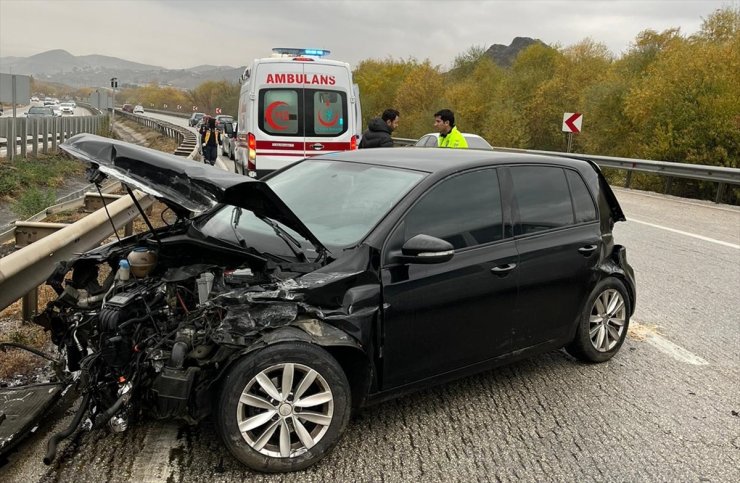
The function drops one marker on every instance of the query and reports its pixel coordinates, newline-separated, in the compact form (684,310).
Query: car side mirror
(426,249)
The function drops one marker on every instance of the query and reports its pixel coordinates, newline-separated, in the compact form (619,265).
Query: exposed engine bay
(139,332)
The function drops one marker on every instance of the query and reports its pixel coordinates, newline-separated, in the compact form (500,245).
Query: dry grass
(641,331)
(152,139)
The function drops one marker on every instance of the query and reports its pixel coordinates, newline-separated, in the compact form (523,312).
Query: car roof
(443,160)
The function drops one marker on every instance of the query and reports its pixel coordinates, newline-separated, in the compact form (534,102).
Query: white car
(139,110)
(67,108)
(474,141)
(56,109)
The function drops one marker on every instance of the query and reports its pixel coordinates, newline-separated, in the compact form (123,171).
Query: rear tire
(284,407)
(604,322)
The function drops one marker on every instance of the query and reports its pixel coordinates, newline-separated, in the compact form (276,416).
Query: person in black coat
(379,130)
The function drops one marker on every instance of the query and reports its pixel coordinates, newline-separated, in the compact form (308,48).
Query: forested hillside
(671,97)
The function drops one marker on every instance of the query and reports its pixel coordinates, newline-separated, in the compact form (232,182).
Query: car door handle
(503,269)
(317,146)
(587,250)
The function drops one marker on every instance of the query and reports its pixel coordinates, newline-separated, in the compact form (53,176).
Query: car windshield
(339,202)
(38,110)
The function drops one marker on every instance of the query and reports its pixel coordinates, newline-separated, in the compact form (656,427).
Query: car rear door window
(583,204)
(465,210)
(543,198)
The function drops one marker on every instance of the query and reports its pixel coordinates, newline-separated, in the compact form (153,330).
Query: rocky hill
(504,55)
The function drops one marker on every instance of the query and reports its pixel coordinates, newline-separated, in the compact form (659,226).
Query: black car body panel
(396,320)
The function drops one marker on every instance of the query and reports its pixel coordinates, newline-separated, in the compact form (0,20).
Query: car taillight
(353,143)
(252,157)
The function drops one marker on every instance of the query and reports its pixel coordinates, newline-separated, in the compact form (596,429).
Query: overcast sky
(184,33)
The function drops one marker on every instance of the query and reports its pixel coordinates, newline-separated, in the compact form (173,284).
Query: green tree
(419,96)
(379,81)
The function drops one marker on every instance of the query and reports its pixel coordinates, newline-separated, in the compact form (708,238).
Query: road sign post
(572,122)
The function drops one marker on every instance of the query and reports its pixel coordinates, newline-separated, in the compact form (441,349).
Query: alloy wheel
(607,320)
(285,410)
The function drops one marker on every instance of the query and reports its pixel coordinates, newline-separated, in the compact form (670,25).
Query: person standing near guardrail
(449,136)
(210,139)
(378,134)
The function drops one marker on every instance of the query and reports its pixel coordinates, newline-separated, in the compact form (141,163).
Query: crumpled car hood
(185,186)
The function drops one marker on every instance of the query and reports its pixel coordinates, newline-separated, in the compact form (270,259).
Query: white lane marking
(648,334)
(693,235)
(673,350)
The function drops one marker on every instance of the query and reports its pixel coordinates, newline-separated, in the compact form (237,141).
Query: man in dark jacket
(379,130)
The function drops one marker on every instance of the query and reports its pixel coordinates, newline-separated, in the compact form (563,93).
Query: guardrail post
(30,304)
(11,141)
(54,134)
(24,137)
(45,134)
(668,184)
(628,180)
(35,137)
(720,193)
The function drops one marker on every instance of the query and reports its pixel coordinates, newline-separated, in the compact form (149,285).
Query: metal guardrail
(23,270)
(717,174)
(187,140)
(45,132)
(29,267)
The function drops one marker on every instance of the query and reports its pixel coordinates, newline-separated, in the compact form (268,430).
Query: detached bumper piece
(21,409)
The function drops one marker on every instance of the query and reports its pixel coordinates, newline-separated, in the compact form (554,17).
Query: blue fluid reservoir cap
(124,264)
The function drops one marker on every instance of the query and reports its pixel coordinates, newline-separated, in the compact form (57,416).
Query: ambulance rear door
(281,124)
(328,109)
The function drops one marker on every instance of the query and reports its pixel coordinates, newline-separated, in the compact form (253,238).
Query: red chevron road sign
(572,121)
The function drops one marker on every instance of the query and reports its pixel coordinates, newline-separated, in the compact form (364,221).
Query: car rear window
(583,205)
(543,198)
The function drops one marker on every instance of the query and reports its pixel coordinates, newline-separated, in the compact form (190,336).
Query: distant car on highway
(474,141)
(127,108)
(56,109)
(50,101)
(221,119)
(228,141)
(38,111)
(138,109)
(67,108)
(195,118)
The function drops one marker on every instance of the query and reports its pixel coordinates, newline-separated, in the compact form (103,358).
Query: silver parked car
(474,141)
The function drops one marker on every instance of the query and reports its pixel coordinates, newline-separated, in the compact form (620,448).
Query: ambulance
(293,105)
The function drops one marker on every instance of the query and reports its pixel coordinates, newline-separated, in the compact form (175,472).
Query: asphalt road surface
(666,408)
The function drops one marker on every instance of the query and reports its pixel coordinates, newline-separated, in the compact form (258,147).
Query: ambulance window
(279,112)
(329,112)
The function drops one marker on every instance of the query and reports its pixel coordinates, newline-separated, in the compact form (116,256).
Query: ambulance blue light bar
(299,52)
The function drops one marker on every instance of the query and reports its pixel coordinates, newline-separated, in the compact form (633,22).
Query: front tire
(604,322)
(284,407)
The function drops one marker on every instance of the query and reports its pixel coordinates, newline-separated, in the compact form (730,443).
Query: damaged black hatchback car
(277,307)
